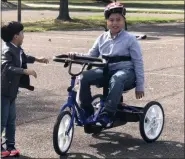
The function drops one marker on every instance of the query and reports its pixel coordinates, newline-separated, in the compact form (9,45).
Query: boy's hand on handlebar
(30,72)
(139,94)
(73,54)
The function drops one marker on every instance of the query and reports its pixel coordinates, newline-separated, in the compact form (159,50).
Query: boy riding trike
(150,117)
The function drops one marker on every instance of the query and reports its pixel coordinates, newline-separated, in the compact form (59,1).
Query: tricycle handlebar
(77,59)
(95,64)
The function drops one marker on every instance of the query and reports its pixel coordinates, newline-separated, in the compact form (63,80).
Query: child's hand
(72,54)
(42,60)
(30,72)
(139,94)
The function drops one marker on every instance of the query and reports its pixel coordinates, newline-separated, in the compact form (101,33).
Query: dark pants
(120,80)
(8,116)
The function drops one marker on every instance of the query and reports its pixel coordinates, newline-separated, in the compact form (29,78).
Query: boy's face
(19,38)
(115,23)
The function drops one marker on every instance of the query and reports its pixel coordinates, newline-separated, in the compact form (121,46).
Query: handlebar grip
(61,56)
(67,60)
(59,59)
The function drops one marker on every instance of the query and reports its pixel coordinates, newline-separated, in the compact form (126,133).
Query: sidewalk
(101,8)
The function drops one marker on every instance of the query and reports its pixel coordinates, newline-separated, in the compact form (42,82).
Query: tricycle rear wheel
(152,121)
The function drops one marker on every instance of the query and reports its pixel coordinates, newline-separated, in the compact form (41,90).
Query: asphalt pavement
(163,53)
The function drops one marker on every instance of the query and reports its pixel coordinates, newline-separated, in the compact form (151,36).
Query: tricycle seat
(126,90)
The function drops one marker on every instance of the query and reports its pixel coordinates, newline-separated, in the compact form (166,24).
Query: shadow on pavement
(170,29)
(37,105)
(153,31)
(77,155)
(152,38)
(117,145)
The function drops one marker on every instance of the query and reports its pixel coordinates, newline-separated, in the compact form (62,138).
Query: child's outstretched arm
(31,59)
(42,60)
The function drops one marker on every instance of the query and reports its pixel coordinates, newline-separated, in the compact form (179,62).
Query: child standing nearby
(14,74)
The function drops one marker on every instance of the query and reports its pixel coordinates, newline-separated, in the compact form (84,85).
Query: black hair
(9,30)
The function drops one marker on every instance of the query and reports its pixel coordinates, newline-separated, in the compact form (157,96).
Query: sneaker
(13,151)
(105,120)
(4,153)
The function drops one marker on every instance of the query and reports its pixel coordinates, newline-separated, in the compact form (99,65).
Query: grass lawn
(80,5)
(25,7)
(86,23)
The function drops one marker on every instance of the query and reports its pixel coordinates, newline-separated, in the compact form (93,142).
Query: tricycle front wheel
(61,139)
(152,122)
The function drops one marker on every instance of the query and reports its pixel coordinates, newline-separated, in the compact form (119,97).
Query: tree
(64,11)
(5,0)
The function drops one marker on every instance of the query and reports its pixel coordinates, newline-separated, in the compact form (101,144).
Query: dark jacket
(12,76)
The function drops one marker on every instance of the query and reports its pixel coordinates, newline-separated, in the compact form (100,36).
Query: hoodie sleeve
(94,51)
(136,55)
(30,59)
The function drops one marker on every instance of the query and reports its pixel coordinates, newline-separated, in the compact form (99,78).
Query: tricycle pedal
(92,128)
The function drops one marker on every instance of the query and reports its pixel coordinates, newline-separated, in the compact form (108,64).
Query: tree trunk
(19,11)
(64,11)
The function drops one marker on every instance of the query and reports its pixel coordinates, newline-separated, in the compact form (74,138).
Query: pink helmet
(114,7)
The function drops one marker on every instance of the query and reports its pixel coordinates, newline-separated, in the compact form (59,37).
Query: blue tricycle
(150,117)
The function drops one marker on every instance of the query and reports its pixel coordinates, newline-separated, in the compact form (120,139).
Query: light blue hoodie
(124,44)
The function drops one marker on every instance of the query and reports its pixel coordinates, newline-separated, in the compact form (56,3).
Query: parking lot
(163,53)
